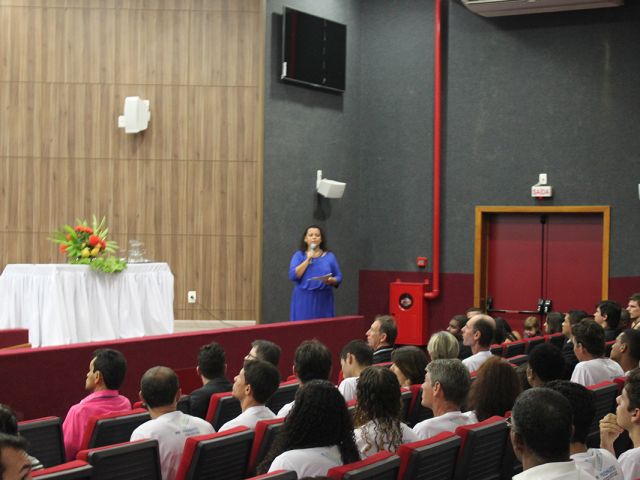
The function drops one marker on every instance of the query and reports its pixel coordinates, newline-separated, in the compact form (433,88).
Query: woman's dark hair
(323,243)
(554,322)
(319,418)
(8,420)
(378,394)
(495,389)
(411,361)
(503,331)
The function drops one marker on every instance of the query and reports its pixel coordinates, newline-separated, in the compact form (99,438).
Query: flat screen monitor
(314,51)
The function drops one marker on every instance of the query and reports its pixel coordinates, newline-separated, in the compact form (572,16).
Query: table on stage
(62,304)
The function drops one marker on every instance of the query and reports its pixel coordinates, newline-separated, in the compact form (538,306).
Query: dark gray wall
(553,93)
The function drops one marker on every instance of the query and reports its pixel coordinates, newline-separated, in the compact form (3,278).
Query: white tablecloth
(62,304)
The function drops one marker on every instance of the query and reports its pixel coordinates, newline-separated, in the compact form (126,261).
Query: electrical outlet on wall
(191,296)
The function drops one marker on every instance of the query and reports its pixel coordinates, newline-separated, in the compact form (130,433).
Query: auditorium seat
(285,394)
(482,449)
(381,466)
(514,348)
(124,461)
(45,439)
(406,395)
(417,412)
(75,470)
(430,459)
(277,475)
(265,433)
(222,408)
(556,339)
(606,393)
(496,349)
(112,428)
(533,342)
(222,455)
(518,360)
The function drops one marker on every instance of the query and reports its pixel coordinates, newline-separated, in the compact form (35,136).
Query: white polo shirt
(249,418)
(474,362)
(348,387)
(554,471)
(444,423)
(595,371)
(630,463)
(284,411)
(308,462)
(600,463)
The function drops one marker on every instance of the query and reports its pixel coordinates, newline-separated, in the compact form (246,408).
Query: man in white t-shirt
(589,347)
(355,357)
(445,388)
(627,417)
(253,387)
(478,334)
(598,462)
(160,391)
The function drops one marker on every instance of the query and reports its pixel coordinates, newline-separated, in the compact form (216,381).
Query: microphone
(313,246)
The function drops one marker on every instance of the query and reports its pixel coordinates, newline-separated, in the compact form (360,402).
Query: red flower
(89,230)
(94,240)
(79,228)
(104,244)
(62,248)
(68,236)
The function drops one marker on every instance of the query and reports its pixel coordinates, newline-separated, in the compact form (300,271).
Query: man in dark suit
(381,337)
(211,367)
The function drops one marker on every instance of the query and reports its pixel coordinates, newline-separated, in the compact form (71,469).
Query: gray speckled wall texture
(554,93)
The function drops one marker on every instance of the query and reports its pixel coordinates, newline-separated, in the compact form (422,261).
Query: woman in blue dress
(315,272)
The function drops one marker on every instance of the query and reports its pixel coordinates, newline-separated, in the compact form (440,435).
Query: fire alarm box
(407,304)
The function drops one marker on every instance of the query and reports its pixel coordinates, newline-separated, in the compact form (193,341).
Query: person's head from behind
(607,314)
(570,319)
(503,331)
(106,370)
(312,361)
(495,389)
(626,349)
(446,381)
(14,461)
(583,406)
(588,340)
(546,363)
(553,323)
(479,331)
(257,380)
(313,235)
(531,327)
(473,311)
(408,364)
(264,350)
(541,427)
(383,332)
(211,361)
(159,387)
(628,409)
(455,325)
(8,420)
(355,356)
(443,345)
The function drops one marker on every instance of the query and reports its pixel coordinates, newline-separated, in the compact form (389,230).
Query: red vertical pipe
(437,150)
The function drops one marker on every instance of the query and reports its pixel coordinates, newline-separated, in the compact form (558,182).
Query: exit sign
(541,191)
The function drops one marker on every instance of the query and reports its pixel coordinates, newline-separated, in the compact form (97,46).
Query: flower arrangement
(88,245)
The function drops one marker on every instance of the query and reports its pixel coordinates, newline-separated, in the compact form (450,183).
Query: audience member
(14,461)
(381,337)
(9,425)
(355,357)
(553,323)
(456,324)
(540,434)
(311,361)
(253,387)
(408,365)
(546,363)
(531,327)
(570,360)
(627,417)
(625,320)
(160,391)
(633,307)
(212,367)
(504,333)
(596,461)
(494,390)
(444,391)
(608,317)
(473,311)
(477,334)
(264,350)
(626,350)
(317,435)
(377,416)
(588,345)
(443,345)
(106,373)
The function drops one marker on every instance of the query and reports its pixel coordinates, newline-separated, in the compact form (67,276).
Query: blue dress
(313,298)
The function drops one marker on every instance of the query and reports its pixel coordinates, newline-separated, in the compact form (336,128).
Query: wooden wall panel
(188,187)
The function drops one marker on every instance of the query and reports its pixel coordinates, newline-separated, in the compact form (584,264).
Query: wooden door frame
(481,245)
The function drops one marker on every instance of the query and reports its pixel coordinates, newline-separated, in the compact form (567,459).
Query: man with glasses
(264,350)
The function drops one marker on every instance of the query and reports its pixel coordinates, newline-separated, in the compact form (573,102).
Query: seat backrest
(514,348)
(125,461)
(482,449)
(406,395)
(496,349)
(533,342)
(222,408)
(381,466)
(265,433)
(112,428)
(222,455)
(518,360)
(606,393)
(277,475)
(417,413)
(556,339)
(75,470)
(285,394)
(430,459)
(45,439)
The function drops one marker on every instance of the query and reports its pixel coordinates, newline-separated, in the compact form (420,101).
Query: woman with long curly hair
(317,434)
(377,416)
(495,389)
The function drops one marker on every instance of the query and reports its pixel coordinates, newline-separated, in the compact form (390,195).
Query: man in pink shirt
(106,374)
